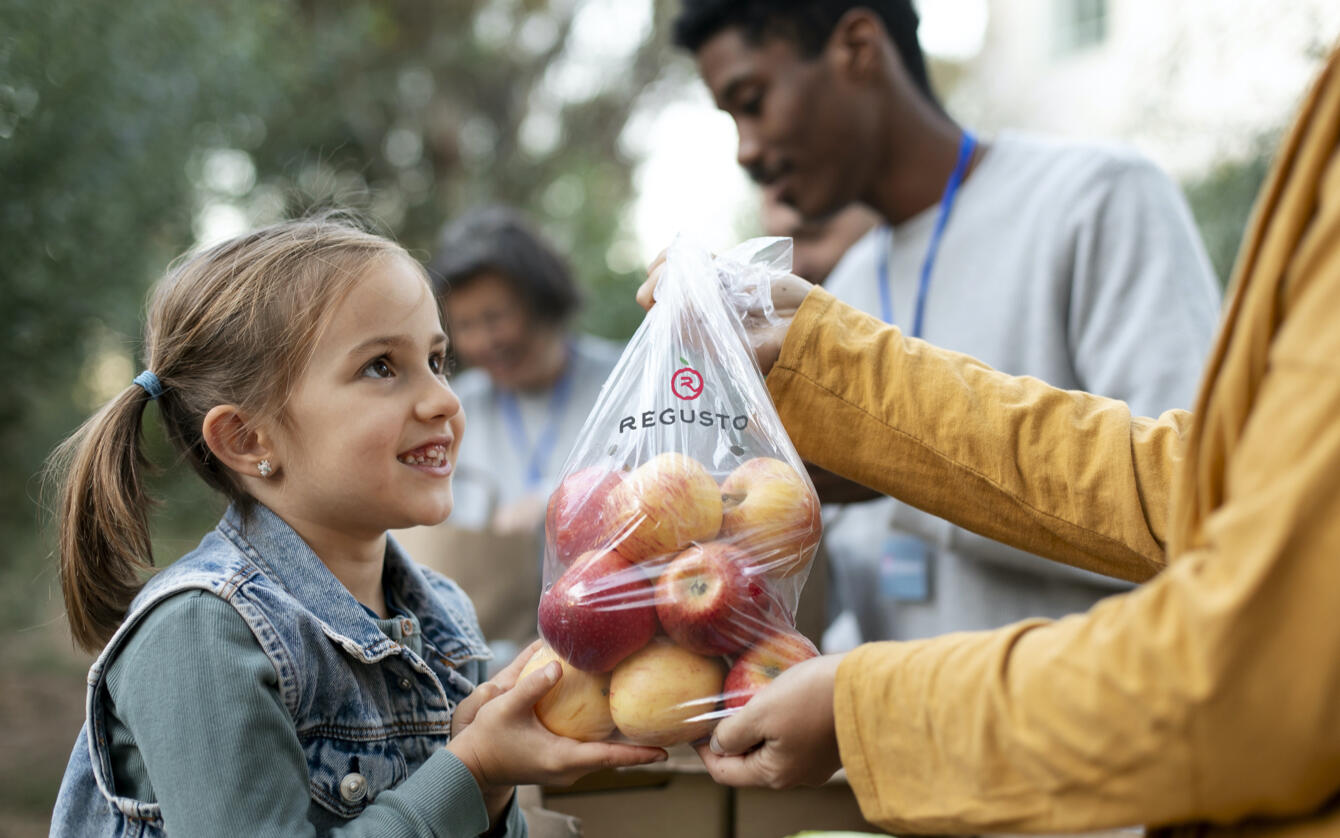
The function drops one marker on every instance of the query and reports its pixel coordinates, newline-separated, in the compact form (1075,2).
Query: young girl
(296,673)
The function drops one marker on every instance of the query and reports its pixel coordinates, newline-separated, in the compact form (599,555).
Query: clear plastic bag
(682,530)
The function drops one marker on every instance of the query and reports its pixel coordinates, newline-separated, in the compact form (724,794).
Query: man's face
(798,119)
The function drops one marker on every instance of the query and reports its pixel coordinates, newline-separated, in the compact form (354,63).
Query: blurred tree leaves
(128,128)
(1222,201)
(102,103)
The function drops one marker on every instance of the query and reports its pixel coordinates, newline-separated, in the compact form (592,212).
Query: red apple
(662,506)
(771,512)
(709,603)
(664,694)
(757,667)
(600,611)
(574,519)
(578,706)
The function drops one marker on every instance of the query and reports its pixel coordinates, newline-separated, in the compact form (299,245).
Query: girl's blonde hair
(232,324)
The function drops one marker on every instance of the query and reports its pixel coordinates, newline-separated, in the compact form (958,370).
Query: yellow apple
(664,694)
(578,706)
(662,506)
(771,512)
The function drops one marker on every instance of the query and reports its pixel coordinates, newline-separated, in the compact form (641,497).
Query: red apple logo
(574,521)
(686,383)
(662,506)
(709,603)
(759,666)
(598,612)
(771,513)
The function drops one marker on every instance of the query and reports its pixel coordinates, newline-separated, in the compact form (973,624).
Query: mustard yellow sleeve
(1209,694)
(1059,473)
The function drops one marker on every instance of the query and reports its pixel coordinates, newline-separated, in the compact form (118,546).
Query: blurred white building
(1190,82)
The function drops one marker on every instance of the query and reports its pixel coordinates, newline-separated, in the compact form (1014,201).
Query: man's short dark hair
(806,23)
(499,241)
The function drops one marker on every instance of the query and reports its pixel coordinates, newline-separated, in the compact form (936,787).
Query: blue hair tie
(151,384)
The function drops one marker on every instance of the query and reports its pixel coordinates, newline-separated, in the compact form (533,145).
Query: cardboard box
(541,822)
(677,799)
(662,801)
(766,813)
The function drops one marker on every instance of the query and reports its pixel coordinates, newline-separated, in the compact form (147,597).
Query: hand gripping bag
(683,526)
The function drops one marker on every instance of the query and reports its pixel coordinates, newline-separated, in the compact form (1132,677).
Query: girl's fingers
(481,695)
(581,758)
(617,754)
(506,679)
(522,697)
(469,708)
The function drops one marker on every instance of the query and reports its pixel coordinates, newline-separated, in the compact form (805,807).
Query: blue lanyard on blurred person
(537,457)
(965,149)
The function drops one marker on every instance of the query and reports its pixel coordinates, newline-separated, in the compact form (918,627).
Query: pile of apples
(668,612)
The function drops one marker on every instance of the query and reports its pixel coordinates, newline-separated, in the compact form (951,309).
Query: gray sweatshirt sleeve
(1144,301)
(221,755)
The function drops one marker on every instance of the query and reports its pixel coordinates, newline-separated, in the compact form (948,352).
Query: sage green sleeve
(199,702)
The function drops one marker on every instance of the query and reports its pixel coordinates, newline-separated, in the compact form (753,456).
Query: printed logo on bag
(684,416)
(686,383)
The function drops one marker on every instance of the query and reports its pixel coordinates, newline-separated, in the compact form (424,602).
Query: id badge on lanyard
(905,568)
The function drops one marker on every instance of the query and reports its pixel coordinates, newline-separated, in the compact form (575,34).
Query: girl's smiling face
(372,430)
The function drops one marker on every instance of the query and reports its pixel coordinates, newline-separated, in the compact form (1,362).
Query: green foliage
(100,110)
(1222,202)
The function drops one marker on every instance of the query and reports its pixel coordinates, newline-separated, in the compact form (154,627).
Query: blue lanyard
(965,149)
(544,443)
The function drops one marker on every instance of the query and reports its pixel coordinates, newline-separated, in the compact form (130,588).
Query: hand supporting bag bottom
(682,530)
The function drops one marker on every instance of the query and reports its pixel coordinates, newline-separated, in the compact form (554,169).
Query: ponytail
(103,525)
(231,324)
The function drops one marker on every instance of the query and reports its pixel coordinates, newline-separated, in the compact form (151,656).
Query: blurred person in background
(529,379)
(529,382)
(1078,264)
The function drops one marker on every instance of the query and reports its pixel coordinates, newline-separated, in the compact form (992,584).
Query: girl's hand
(490,689)
(766,334)
(505,744)
(495,799)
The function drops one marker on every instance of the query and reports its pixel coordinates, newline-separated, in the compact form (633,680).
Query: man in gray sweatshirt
(1078,264)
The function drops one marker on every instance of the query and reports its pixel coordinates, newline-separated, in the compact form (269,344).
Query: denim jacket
(338,672)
